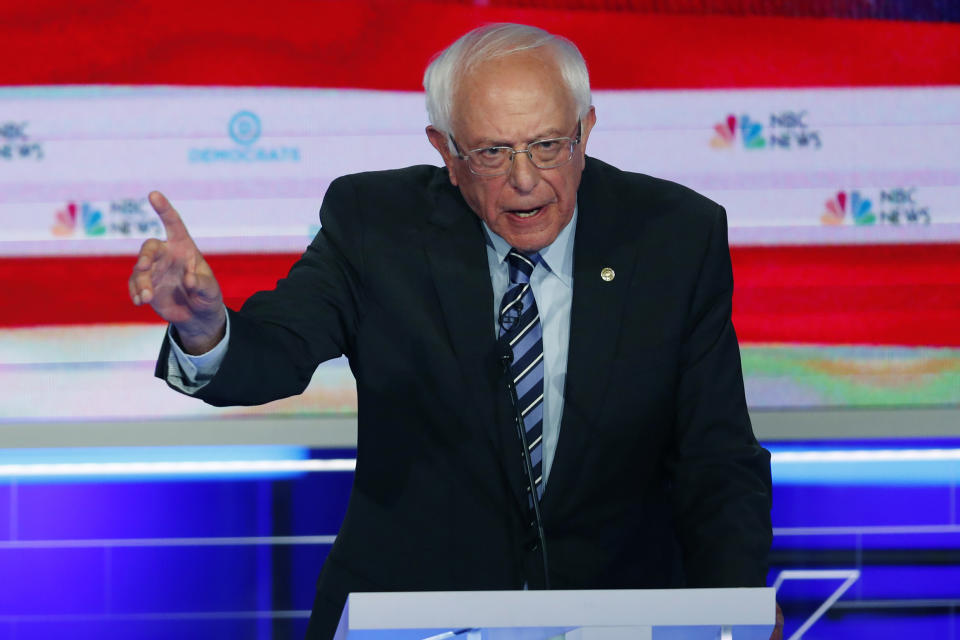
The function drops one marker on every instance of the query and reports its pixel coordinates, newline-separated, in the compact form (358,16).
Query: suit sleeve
(721,480)
(278,337)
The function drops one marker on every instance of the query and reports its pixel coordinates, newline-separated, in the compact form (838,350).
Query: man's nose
(524,175)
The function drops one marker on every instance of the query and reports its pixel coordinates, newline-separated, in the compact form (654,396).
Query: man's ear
(439,141)
(588,121)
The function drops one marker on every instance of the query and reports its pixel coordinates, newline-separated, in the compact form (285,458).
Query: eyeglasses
(497,161)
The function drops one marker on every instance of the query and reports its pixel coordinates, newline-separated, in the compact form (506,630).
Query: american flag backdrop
(830,133)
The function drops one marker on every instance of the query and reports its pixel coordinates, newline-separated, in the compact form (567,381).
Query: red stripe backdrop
(907,295)
(868,295)
(385,45)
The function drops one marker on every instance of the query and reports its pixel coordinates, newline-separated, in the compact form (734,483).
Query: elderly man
(523,293)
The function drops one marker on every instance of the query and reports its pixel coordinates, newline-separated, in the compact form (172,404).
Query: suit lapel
(458,263)
(456,252)
(595,321)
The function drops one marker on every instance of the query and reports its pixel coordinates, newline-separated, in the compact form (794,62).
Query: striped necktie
(520,328)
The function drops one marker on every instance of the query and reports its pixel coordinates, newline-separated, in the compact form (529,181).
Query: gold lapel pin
(607,274)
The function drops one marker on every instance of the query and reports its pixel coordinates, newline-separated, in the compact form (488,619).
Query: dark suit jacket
(658,480)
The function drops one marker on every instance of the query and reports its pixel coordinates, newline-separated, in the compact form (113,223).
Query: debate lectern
(629,614)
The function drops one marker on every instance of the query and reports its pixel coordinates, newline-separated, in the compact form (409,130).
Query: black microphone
(511,317)
(505,355)
(506,359)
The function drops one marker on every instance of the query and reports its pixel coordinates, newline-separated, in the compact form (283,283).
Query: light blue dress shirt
(552,283)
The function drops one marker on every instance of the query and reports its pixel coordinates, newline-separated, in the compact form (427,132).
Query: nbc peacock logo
(89,220)
(860,209)
(725,133)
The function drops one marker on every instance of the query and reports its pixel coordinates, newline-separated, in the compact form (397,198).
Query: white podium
(634,614)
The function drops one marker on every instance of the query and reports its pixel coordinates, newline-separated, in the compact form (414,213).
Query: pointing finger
(172,223)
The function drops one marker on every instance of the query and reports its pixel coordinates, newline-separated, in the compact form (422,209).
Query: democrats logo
(15,144)
(782,130)
(897,206)
(78,219)
(244,129)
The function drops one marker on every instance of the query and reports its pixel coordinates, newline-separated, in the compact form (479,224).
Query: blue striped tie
(520,327)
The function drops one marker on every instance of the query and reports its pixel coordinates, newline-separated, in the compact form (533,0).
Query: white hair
(495,41)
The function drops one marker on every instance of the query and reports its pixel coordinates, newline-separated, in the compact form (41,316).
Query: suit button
(532,546)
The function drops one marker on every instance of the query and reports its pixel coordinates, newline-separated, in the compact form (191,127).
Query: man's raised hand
(173,278)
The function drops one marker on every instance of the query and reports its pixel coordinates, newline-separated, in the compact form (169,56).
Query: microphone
(511,317)
(505,355)
(505,352)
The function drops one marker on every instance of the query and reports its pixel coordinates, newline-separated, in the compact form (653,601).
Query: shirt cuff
(190,373)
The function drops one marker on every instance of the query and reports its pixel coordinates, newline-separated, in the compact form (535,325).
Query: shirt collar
(557,256)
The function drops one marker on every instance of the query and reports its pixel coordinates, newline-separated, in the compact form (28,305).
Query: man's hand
(174,279)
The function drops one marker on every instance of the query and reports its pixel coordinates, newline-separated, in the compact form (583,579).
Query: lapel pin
(607,274)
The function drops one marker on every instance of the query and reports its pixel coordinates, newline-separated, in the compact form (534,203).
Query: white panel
(105,372)
(256,162)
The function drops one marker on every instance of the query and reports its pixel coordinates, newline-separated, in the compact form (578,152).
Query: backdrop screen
(832,142)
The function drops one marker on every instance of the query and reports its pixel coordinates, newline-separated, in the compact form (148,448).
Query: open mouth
(525,213)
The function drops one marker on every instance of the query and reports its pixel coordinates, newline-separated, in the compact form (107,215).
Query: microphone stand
(506,359)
